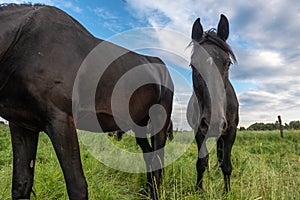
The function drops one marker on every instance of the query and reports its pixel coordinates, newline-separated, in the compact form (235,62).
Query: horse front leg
(225,143)
(24,143)
(63,135)
(202,161)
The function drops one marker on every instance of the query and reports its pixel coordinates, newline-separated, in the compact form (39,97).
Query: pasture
(265,166)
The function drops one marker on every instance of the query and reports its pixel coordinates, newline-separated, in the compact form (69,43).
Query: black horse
(213,107)
(41,53)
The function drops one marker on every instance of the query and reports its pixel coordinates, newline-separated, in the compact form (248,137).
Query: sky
(264,35)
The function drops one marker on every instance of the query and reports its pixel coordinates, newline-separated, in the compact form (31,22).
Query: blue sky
(263,34)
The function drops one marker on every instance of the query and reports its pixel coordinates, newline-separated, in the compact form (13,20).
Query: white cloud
(269,58)
(179,110)
(104,14)
(71,6)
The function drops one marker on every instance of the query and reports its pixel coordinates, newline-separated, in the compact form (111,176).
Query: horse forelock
(211,36)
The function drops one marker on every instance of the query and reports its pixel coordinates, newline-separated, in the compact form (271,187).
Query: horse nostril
(204,125)
(225,125)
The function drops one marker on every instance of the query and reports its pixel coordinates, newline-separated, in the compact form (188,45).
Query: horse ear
(223,28)
(197,30)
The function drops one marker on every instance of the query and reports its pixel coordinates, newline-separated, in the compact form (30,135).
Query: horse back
(41,50)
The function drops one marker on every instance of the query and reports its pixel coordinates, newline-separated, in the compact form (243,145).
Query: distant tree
(294,125)
(242,128)
(257,127)
(264,127)
(273,126)
(286,126)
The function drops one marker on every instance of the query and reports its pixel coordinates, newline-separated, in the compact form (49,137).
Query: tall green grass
(265,166)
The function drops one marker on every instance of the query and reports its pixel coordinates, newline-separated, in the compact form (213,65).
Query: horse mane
(212,36)
(4,6)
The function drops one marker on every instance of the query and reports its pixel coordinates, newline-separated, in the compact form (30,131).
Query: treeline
(272,126)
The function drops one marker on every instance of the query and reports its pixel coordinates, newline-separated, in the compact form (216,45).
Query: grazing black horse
(41,51)
(213,107)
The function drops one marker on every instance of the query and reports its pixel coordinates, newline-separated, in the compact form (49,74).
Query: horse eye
(229,62)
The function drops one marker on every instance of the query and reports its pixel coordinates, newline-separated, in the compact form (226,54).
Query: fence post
(280,126)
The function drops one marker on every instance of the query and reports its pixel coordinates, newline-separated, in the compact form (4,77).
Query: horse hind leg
(153,155)
(147,154)
(63,135)
(158,141)
(24,143)
(142,141)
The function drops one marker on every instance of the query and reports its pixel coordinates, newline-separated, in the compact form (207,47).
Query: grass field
(264,167)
